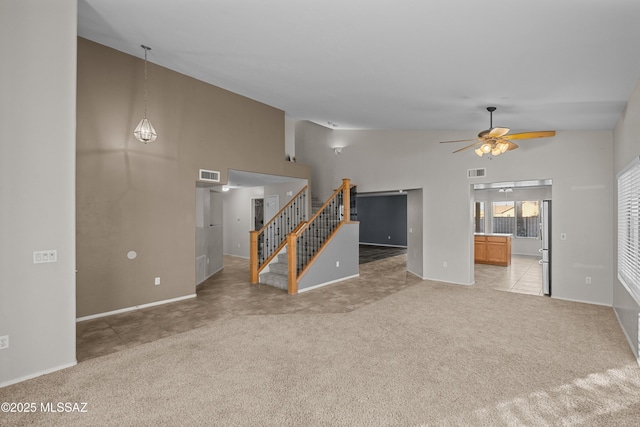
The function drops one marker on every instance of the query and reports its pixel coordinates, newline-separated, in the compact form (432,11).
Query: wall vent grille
(476,173)
(210,176)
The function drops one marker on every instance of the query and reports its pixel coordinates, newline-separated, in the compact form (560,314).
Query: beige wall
(136,197)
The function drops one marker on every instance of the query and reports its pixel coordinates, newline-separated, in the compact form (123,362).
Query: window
(503,217)
(527,219)
(629,227)
(478,217)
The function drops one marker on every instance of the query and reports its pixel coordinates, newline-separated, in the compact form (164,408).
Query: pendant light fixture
(145,132)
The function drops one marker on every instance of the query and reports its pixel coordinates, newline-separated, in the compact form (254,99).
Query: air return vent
(210,176)
(476,173)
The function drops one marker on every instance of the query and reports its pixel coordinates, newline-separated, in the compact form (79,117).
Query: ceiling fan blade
(498,132)
(458,140)
(468,146)
(512,146)
(531,135)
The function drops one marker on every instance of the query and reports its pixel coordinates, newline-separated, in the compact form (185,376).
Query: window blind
(629,227)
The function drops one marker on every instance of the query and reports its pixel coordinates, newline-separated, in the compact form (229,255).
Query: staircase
(277,276)
(316,204)
(290,243)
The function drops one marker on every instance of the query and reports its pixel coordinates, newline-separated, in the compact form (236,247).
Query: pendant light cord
(146,49)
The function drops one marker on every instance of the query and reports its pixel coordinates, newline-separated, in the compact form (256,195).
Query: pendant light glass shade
(145,132)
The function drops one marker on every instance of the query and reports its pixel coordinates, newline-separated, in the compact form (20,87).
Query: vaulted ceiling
(407,64)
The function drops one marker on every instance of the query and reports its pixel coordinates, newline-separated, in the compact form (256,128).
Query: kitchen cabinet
(492,249)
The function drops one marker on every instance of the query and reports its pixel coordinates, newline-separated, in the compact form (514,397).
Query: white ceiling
(405,64)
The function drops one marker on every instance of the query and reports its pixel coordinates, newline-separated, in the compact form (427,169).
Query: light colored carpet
(430,354)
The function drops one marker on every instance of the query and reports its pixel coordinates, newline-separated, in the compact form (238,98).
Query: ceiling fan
(496,141)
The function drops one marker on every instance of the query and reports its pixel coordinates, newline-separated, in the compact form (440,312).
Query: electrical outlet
(157,281)
(4,342)
(337,263)
(587,280)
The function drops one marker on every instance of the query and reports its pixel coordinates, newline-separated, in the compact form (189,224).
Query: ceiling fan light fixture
(503,146)
(486,148)
(478,152)
(496,151)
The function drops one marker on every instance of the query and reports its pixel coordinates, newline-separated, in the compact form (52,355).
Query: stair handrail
(261,251)
(297,266)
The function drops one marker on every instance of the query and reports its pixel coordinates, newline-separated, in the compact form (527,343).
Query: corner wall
(37,186)
(626,147)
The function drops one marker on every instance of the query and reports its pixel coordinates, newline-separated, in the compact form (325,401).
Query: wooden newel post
(346,197)
(292,275)
(253,256)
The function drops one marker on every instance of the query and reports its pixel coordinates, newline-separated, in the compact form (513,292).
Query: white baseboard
(327,283)
(419,276)
(447,281)
(236,256)
(135,307)
(205,279)
(578,300)
(636,352)
(38,374)
(382,245)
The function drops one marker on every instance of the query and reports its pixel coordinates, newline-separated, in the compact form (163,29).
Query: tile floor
(370,253)
(228,294)
(523,276)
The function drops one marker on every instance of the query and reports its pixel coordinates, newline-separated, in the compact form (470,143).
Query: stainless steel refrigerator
(545,236)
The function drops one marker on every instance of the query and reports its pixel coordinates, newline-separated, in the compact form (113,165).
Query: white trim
(580,301)
(236,256)
(449,282)
(628,289)
(209,276)
(633,163)
(38,374)
(135,307)
(419,276)
(328,283)
(635,351)
(382,244)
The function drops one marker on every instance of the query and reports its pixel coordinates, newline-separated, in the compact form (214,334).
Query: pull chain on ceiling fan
(496,141)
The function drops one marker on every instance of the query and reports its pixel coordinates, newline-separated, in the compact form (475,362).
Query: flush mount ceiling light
(145,132)
(337,150)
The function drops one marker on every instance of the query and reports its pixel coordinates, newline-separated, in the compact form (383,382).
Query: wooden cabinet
(492,249)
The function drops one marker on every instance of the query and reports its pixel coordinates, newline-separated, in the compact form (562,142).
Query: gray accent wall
(37,186)
(625,148)
(383,219)
(342,249)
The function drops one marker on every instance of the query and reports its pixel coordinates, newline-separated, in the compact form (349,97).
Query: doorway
(514,208)
(257,213)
